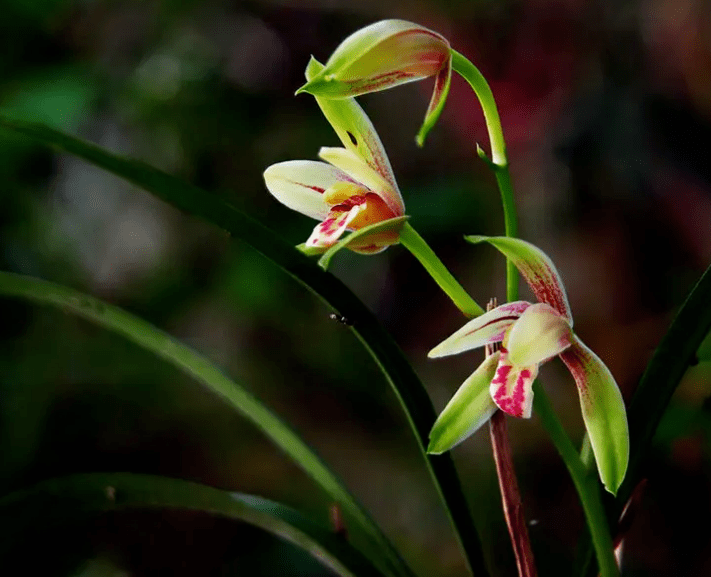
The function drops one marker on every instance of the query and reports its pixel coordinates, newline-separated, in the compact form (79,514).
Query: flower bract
(353,189)
(530,334)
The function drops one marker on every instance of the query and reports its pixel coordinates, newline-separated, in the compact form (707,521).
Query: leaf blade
(408,389)
(79,496)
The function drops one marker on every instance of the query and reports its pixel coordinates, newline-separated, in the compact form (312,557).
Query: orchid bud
(386,54)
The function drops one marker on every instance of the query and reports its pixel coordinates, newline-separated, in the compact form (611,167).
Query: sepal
(603,413)
(469,408)
(536,268)
(482,330)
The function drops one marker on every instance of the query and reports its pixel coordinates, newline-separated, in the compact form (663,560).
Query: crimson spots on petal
(511,387)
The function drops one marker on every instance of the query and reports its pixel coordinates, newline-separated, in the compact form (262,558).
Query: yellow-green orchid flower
(383,55)
(531,334)
(353,189)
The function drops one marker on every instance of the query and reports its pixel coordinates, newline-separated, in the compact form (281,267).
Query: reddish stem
(510,495)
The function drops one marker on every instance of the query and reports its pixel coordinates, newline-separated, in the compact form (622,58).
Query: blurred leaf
(181,356)
(61,501)
(407,387)
(57,96)
(704,351)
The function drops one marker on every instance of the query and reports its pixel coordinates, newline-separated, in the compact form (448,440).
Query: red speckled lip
(511,389)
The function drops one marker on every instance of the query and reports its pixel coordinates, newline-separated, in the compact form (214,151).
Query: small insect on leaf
(341,319)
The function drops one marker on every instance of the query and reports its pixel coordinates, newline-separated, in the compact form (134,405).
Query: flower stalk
(413,242)
(508,485)
(499,162)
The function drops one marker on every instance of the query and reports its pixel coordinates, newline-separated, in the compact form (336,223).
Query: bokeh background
(606,108)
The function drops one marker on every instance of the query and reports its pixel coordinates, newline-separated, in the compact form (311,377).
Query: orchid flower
(530,334)
(353,189)
(383,55)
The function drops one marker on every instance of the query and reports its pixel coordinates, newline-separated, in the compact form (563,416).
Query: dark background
(606,108)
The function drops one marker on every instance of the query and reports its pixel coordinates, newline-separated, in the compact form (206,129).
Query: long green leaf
(184,358)
(77,497)
(407,387)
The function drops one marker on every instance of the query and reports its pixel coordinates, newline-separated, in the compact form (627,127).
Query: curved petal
(539,334)
(380,56)
(369,240)
(483,330)
(329,231)
(536,268)
(603,413)
(439,97)
(300,184)
(511,387)
(469,408)
(353,165)
(356,132)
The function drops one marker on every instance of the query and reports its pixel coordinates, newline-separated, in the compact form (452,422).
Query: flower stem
(462,66)
(510,495)
(585,482)
(508,485)
(413,242)
(498,163)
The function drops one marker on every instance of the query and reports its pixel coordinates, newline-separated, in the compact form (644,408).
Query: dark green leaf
(77,497)
(407,387)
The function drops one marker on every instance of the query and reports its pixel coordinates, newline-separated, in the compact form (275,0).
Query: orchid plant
(387,54)
(531,334)
(353,194)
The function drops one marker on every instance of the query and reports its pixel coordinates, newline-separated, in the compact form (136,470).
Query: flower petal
(536,268)
(603,413)
(353,165)
(329,231)
(469,408)
(439,97)
(380,56)
(358,135)
(511,387)
(483,330)
(300,184)
(539,334)
(369,240)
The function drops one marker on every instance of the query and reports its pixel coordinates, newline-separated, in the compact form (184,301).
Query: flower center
(340,192)
(343,196)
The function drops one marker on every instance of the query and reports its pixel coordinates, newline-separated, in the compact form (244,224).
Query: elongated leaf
(77,497)
(163,345)
(407,387)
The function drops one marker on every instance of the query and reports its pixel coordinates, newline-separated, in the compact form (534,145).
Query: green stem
(498,163)
(586,484)
(462,66)
(511,228)
(413,242)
